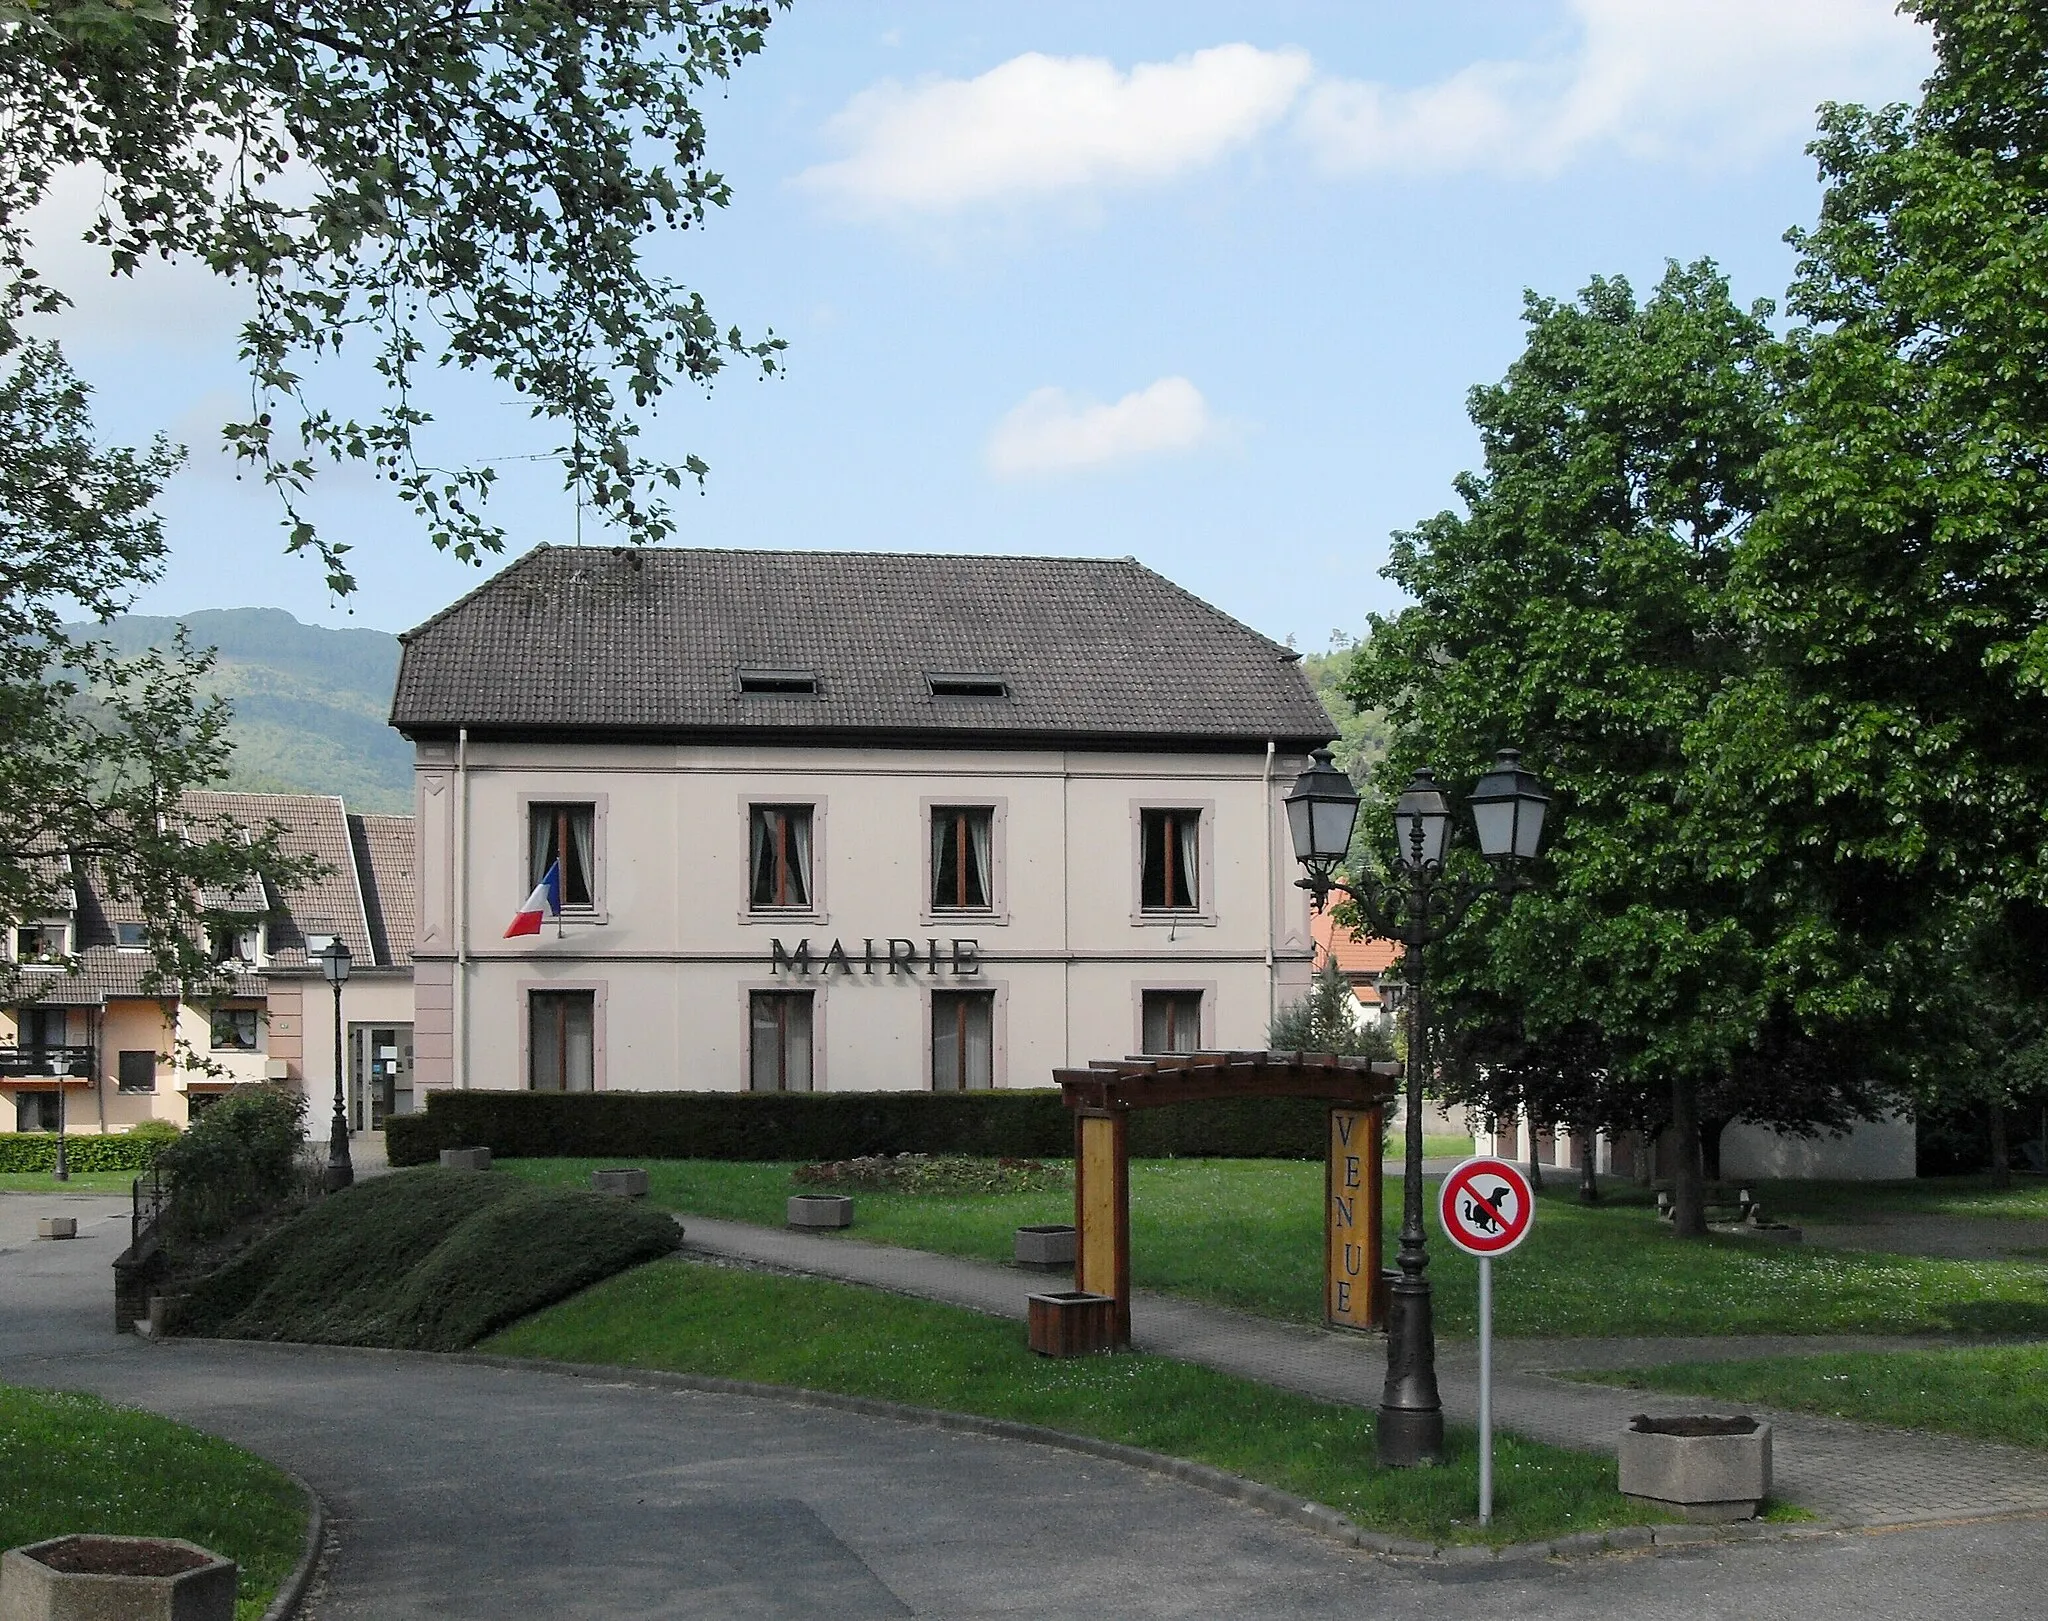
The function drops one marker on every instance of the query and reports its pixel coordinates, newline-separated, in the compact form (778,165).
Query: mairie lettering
(959,958)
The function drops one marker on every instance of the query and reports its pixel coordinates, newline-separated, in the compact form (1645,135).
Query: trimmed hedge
(427,1260)
(834,1125)
(37,1151)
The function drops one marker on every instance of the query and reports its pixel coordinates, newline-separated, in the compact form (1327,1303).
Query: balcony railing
(45,1063)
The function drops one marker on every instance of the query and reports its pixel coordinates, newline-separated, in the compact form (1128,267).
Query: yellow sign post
(1351,1221)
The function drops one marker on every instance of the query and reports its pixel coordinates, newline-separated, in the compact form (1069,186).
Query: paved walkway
(1851,1473)
(460,1492)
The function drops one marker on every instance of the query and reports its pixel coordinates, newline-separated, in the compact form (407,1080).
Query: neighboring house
(846,821)
(1362,960)
(108,1049)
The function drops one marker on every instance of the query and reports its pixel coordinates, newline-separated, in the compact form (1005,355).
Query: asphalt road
(458,1491)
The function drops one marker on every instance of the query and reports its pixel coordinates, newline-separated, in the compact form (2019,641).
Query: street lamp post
(1417,906)
(334,963)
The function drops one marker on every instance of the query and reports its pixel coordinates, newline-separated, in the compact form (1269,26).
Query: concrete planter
(56,1226)
(625,1182)
(819,1210)
(81,1578)
(1049,1247)
(1702,1468)
(465,1159)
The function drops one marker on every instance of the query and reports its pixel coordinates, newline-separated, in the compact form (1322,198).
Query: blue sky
(1202,284)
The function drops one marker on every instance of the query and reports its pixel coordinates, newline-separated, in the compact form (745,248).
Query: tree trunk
(1589,1151)
(2001,1151)
(1688,1190)
(1535,1165)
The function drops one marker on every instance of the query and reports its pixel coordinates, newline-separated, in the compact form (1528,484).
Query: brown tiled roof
(356,850)
(653,640)
(386,853)
(1359,959)
(310,825)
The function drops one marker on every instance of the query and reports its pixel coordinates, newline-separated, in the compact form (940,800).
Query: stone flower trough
(465,1159)
(93,1578)
(811,1211)
(1701,1468)
(621,1181)
(1047,1246)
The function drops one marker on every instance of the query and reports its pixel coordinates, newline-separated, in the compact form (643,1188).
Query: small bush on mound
(239,1159)
(425,1260)
(933,1173)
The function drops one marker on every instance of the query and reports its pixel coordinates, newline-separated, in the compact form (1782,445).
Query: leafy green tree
(1580,607)
(463,184)
(1896,726)
(99,747)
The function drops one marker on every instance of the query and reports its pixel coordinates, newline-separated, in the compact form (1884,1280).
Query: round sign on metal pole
(1486,1206)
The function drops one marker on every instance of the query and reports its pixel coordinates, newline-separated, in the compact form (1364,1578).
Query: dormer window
(761,683)
(132,936)
(965,684)
(41,942)
(236,943)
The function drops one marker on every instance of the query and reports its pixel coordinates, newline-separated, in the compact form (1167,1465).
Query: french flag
(545,902)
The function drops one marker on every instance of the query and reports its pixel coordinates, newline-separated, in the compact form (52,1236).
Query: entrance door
(380,1069)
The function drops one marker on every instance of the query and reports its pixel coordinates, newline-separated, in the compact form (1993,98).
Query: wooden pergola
(1102,1097)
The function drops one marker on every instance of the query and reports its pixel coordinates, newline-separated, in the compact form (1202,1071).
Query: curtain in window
(945,841)
(584,837)
(1171,1021)
(977,1042)
(758,860)
(1187,828)
(945,1043)
(800,858)
(543,844)
(980,888)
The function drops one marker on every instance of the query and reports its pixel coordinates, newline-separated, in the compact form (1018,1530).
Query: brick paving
(1852,1474)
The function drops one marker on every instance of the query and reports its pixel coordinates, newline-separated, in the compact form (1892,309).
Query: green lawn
(1248,1234)
(2025,1200)
(78,1182)
(72,1463)
(1992,1392)
(689,1317)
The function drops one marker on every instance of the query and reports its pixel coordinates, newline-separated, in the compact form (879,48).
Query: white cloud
(1047,123)
(1050,431)
(1659,80)
(1705,81)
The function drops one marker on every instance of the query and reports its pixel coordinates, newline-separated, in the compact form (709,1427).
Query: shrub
(158,1132)
(927,1173)
(819,1126)
(1326,1021)
(37,1151)
(425,1260)
(238,1159)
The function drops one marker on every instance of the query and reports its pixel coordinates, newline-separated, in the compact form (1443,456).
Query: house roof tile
(652,641)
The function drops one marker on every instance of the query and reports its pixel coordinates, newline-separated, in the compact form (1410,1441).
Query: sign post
(1485,1206)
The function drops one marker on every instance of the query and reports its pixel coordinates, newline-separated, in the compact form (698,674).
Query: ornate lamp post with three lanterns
(1418,906)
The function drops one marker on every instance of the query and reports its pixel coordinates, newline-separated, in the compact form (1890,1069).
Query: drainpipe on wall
(462,909)
(1272,901)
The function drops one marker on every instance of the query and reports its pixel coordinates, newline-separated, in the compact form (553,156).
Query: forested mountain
(309,703)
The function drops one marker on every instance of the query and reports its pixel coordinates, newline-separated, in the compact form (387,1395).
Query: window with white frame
(963,878)
(561,1041)
(236,941)
(1171,1021)
(565,832)
(779,871)
(1169,859)
(41,942)
(779,1055)
(234,1028)
(963,1041)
